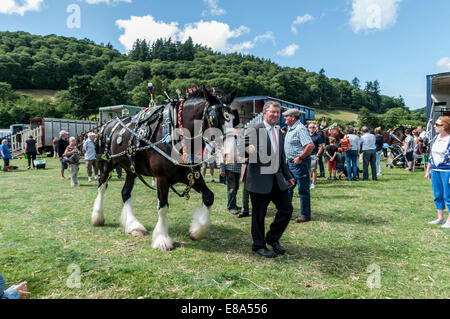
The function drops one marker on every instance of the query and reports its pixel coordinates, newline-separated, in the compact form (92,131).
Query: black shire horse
(144,145)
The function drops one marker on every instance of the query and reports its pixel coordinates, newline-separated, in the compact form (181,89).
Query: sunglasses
(436,124)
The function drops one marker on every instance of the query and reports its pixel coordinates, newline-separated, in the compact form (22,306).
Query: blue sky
(397,42)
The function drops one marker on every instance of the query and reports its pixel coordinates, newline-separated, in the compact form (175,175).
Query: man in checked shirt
(298,147)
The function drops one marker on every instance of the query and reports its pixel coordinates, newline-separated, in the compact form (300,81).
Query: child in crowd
(331,151)
(340,163)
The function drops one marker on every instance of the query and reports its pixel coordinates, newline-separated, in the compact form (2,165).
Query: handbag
(73,159)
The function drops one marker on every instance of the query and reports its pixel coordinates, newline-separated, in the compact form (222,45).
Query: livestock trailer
(110,112)
(50,128)
(438,98)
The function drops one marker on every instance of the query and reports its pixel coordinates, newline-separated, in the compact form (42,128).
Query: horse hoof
(192,236)
(138,233)
(98,222)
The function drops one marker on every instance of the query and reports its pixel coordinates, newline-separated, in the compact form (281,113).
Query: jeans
(378,161)
(6,161)
(321,168)
(9,293)
(232,188)
(351,158)
(441,189)
(369,156)
(301,175)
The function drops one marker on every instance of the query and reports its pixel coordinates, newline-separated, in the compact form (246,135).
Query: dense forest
(89,76)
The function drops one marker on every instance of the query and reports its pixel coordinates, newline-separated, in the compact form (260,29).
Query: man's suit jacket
(256,180)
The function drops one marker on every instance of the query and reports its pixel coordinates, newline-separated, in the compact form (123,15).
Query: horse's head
(219,115)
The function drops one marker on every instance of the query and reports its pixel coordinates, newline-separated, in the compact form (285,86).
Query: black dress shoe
(243,214)
(277,248)
(264,252)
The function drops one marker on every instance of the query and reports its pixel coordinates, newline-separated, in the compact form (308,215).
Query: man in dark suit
(268,179)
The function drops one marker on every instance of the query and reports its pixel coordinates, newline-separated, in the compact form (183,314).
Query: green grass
(45,227)
(40,94)
(340,114)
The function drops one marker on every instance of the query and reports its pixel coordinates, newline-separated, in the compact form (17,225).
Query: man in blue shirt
(4,153)
(298,147)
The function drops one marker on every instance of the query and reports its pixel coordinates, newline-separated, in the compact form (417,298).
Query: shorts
(314,161)
(332,165)
(63,165)
(409,156)
(211,165)
(340,168)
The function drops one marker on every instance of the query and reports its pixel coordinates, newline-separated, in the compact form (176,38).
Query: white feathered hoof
(200,223)
(98,219)
(138,233)
(162,243)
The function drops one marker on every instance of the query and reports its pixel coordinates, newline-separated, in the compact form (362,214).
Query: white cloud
(214,9)
(107,1)
(443,65)
(145,28)
(373,14)
(300,20)
(213,34)
(289,50)
(20,7)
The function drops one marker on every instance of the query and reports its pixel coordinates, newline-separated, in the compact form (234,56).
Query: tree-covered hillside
(90,76)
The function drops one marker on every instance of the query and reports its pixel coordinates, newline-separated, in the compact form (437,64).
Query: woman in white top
(439,169)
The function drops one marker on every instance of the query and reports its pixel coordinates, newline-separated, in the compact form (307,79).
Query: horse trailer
(438,98)
(50,128)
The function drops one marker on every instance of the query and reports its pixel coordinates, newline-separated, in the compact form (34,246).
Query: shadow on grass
(348,217)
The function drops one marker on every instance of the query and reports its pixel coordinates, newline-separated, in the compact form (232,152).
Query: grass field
(45,234)
(40,94)
(341,114)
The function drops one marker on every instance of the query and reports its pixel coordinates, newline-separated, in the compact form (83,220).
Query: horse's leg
(132,226)
(200,217)
(161,239)
(97,217)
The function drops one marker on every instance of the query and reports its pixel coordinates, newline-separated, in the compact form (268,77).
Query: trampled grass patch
(357,227)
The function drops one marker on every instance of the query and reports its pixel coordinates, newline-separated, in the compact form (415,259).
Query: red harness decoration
(180,124)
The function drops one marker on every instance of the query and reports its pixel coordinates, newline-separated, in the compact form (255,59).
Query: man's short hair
(61,133)
(269,104)
(350,130)
(364,129)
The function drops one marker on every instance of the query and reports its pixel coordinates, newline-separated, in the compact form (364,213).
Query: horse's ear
(208,96)
(230,97)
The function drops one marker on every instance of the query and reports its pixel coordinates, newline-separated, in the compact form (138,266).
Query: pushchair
(398,159)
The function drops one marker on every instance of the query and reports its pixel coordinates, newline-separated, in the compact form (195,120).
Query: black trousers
(31,157)
(260,202)
(369,157)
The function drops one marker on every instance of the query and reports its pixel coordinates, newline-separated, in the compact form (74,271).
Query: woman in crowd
(379,145)
(31,150)
(74,162)
(438,169)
